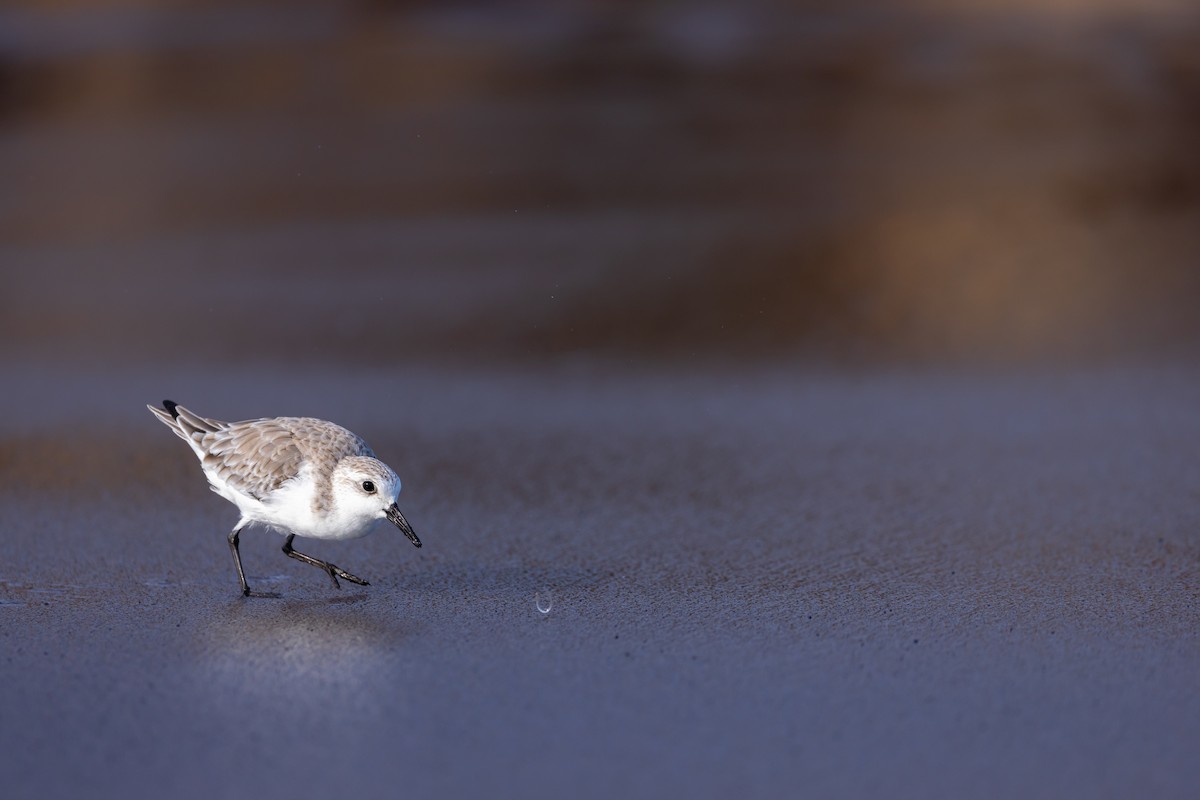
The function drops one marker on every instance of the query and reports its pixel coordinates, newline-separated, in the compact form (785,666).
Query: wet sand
(762,581)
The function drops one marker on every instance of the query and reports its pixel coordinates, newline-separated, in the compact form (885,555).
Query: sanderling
(301,476)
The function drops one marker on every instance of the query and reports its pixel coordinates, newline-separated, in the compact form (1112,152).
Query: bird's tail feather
(167,419)
(184,423)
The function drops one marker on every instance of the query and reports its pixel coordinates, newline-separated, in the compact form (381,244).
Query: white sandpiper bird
(301,476)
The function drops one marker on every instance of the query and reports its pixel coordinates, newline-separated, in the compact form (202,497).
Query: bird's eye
(368,487)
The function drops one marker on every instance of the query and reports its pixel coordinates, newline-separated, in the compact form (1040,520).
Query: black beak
(396,518)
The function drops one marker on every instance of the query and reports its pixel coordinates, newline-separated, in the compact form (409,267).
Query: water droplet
(544,601)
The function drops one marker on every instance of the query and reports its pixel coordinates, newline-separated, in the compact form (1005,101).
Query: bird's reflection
(265,648)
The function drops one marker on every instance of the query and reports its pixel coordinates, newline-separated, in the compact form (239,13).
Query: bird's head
(368,488)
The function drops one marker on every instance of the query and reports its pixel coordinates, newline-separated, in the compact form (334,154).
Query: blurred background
(383,182)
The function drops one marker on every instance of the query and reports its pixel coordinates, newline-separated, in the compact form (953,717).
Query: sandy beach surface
(780,583)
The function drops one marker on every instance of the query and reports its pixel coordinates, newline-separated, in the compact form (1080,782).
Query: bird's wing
(254,457)
(257,456)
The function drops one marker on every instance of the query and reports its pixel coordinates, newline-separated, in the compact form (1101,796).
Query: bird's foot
(336,572)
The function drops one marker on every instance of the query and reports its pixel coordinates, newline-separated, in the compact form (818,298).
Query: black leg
(331,570)
(237,559)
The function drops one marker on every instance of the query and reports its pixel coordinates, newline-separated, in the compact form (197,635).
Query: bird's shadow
(382,615)
(298,600)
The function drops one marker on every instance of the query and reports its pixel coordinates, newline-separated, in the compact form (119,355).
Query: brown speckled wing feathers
(257,456)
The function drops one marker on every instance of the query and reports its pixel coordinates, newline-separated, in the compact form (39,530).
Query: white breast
(290,509)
